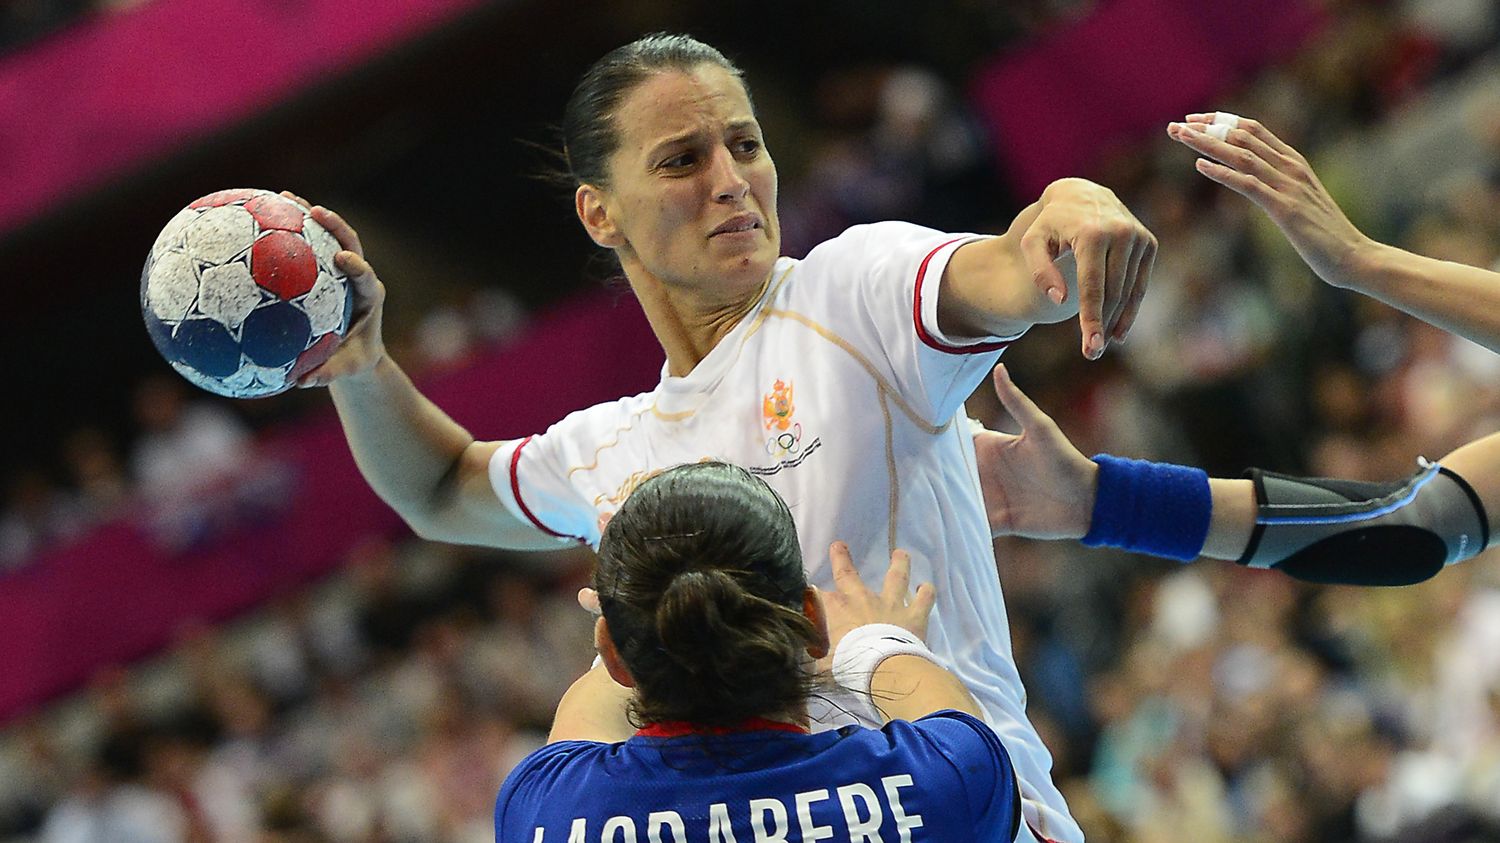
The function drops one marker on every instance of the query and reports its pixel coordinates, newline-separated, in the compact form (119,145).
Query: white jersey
(839,391)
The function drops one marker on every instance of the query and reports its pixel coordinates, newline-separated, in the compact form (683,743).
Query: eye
(679,161)
(747,147)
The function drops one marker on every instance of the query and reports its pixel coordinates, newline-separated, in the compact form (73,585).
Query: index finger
(342,231)
(1254,127)
(306,205)
(1090,259)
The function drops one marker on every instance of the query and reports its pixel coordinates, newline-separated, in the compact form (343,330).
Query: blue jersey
(945,777)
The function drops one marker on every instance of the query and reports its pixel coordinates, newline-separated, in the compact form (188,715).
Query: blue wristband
(1150,507)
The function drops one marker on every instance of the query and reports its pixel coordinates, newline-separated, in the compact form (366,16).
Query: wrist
(1089,500)
(1147,507)
(367,377)
(1363,264)
(861,651)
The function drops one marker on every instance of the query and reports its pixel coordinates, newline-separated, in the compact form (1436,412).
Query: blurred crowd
(1213,703)
(188,457)
(384,705)
(1202,702)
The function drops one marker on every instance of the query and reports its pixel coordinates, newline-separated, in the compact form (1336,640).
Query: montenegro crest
(777,407)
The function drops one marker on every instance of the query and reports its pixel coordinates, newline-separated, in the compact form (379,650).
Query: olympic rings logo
(787,443)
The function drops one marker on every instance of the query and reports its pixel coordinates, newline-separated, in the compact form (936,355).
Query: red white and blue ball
(241,296)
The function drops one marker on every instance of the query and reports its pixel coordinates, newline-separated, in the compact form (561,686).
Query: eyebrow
(734,126)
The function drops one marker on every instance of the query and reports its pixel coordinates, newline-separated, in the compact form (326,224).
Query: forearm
(906,687)
(1232,519)
(405,446)
(1456,297)
(988,291)
(1314,529)
(1230,513)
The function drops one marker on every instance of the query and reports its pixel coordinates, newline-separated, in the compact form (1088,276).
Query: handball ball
(241,296)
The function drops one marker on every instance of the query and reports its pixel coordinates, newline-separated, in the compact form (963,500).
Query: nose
(729,184)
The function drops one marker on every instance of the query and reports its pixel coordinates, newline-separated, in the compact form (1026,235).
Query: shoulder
(888,235)
(603,417)
(979,760)
(553,766)
(556,756)
(959,730)
(952,733)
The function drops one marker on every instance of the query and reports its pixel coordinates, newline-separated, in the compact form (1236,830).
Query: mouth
(739,224)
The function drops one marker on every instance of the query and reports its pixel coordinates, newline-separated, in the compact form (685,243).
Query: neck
(690,322)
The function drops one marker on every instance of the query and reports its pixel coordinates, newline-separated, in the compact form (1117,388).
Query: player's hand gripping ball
(241,295)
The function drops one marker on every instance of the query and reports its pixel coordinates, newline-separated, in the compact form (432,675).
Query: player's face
(692,188)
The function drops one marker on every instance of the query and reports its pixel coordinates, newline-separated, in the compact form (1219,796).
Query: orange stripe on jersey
(620,431)
(916,312)
(880,381)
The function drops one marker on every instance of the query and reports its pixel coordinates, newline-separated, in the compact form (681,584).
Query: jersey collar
(678,728)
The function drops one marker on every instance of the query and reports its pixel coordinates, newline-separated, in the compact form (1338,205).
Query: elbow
(429,516)
(425,528)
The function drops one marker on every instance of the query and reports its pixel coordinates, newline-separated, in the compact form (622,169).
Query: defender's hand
(1035,483)
(852,605)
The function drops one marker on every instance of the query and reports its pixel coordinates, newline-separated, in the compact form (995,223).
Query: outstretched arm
(422,463)
(1036,484)
(1246,157)
(1001,286)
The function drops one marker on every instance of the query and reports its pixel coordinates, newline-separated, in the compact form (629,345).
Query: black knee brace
(1345,531)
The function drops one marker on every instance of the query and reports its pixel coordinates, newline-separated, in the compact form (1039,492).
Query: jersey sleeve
(877,286)
(531,478)
(984,767)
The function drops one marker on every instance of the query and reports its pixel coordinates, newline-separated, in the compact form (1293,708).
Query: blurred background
(211,630)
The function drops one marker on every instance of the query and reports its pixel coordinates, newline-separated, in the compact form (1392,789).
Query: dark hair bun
(736,645)
(700,579)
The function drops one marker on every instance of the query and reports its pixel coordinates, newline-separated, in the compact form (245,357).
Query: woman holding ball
(838,379)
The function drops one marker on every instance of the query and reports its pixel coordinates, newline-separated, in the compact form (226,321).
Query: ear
(610,655)
(812,607)
(588,201)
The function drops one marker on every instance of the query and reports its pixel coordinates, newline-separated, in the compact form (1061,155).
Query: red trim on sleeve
(515,490)
(1038,835)
(929,339)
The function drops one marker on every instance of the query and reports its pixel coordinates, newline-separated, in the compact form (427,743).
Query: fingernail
(1056,294)
(1096,345)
